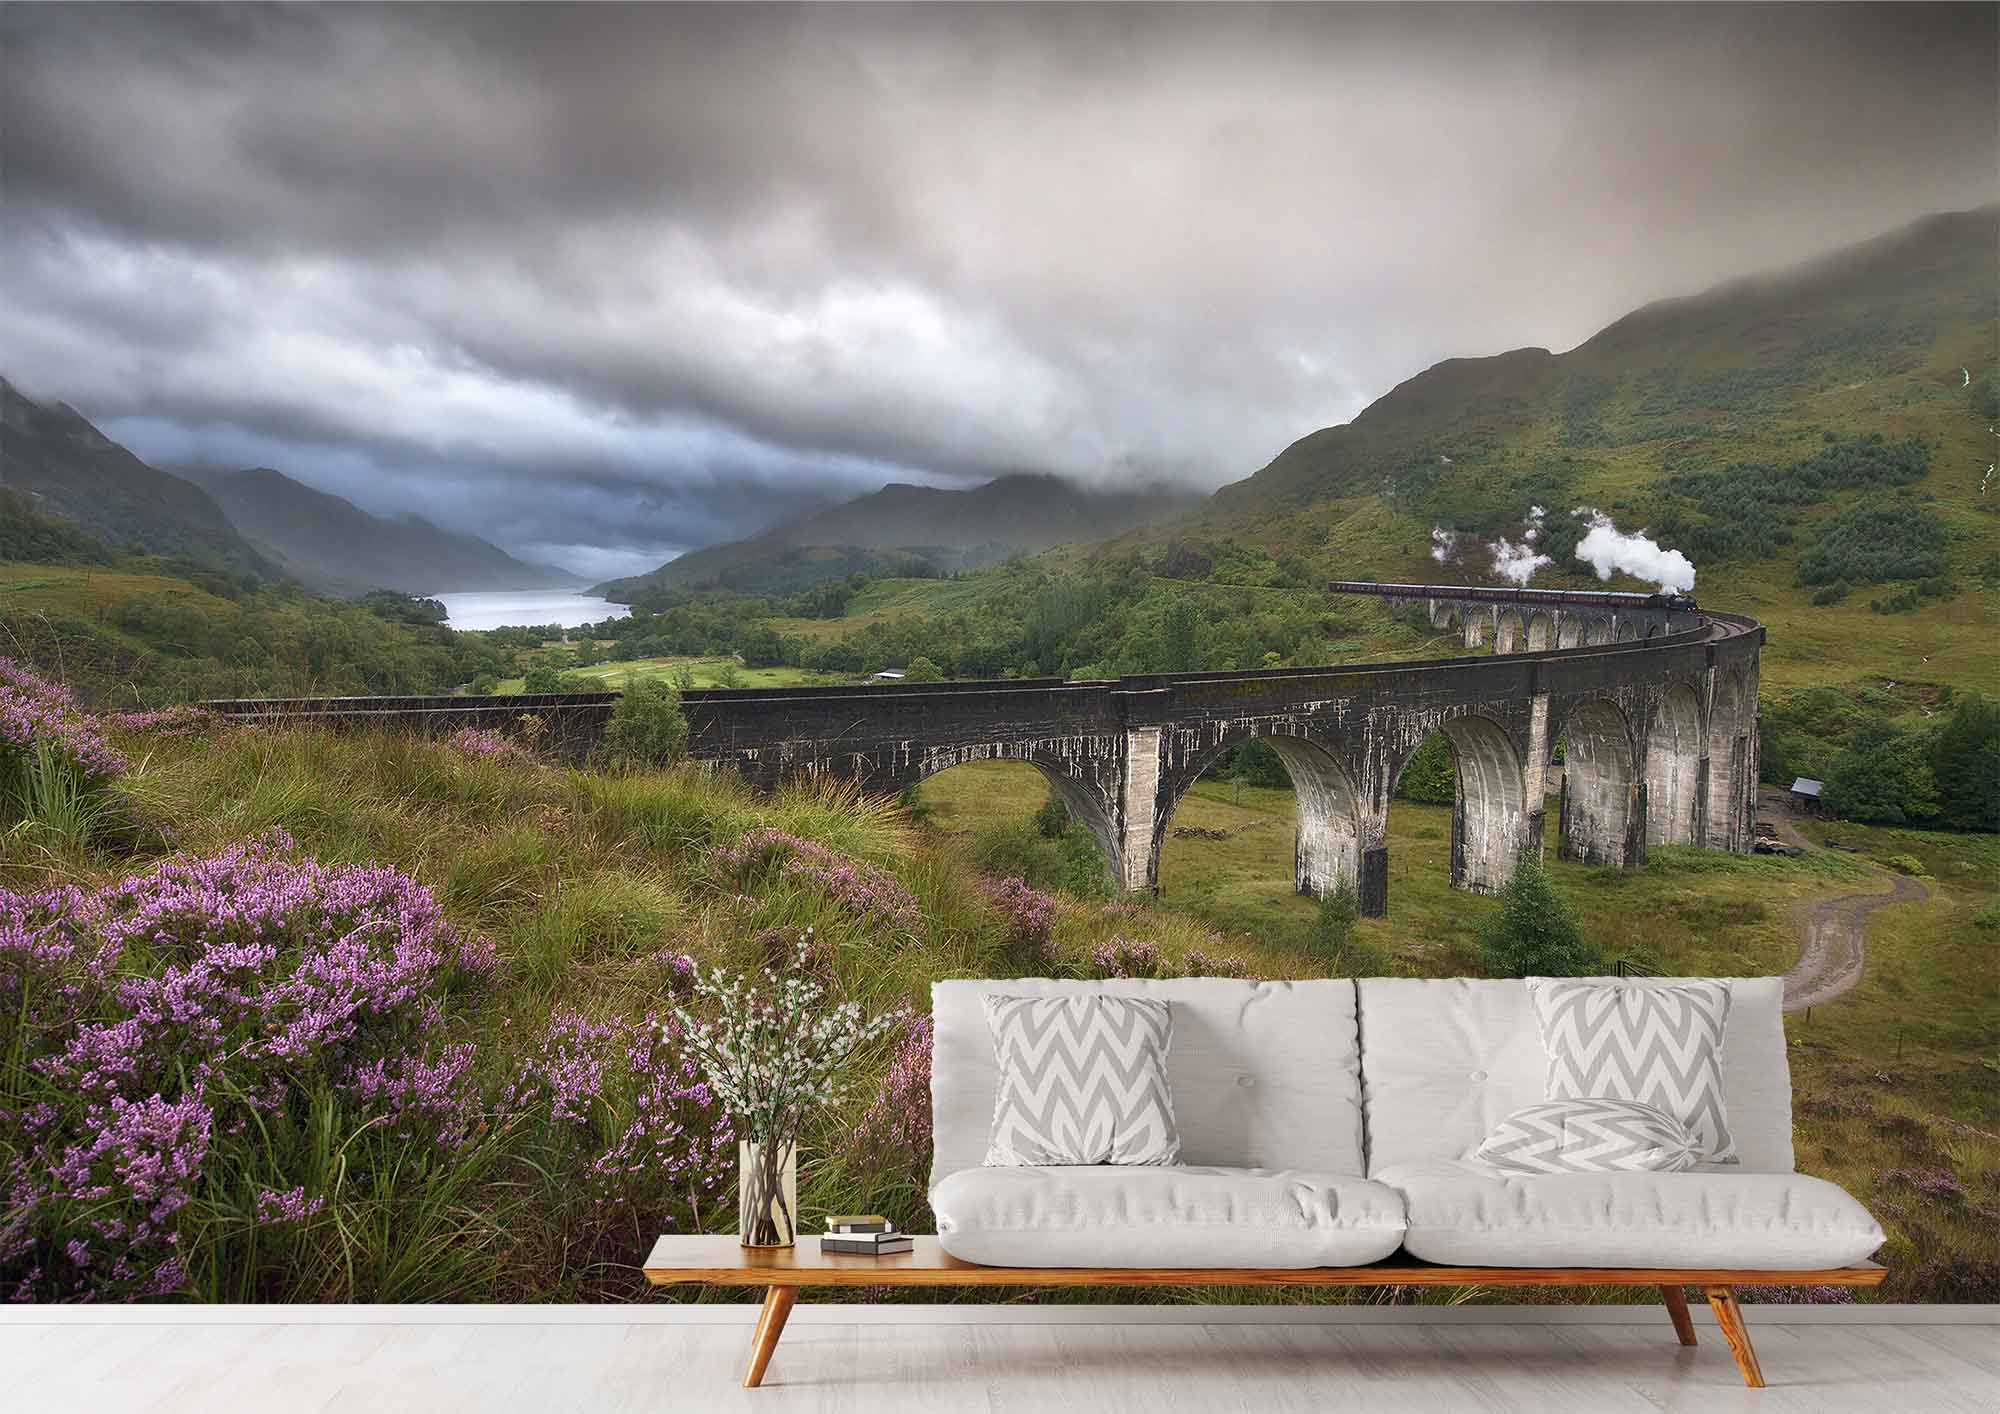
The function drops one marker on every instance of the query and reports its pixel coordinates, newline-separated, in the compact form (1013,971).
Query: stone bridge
(1658,728)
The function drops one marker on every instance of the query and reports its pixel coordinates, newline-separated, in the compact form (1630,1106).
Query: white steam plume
(1518,562)
(1444,543)
(1606,548)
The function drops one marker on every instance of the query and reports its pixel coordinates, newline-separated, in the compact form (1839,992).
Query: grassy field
(1688,911)
(708,672)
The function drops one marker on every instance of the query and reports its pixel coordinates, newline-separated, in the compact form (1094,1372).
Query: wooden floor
(879,1368)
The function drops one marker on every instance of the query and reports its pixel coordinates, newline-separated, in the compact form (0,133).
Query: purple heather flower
(861,889)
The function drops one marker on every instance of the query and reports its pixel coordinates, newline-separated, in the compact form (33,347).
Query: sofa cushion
(1659,1045)
(1263,1074)
(1164,1217)
(1443,1061)
(1083,1080)
(1589,1136)
(1470,1214)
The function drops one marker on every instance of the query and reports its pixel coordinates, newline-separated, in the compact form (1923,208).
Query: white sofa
(1330,1123)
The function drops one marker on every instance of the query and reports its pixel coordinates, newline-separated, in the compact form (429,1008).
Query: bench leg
(1728,1315)
(1677,1307)
(778,1301)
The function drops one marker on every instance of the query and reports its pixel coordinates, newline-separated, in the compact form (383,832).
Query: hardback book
(866,1244)
(858,1222)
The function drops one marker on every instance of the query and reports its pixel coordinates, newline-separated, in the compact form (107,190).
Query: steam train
(1606,599)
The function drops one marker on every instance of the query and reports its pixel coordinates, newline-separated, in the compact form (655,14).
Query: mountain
(332,545)
(904,529)
(1754,427)
(63,466)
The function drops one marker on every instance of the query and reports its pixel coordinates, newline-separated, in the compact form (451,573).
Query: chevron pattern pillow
(1083,1080)
(1590,1136)
(1659,1045)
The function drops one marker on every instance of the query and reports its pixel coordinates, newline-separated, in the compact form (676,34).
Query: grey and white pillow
(1590,1136)
(1658,1044)
(1083,1080)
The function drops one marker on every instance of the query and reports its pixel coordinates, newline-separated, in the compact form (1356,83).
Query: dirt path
(1830,929)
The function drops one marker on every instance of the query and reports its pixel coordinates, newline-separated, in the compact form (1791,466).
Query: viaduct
(1652,700)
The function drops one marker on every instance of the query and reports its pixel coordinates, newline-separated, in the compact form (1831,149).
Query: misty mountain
(904,529)
(332,545)
(1684,416)
(51,455)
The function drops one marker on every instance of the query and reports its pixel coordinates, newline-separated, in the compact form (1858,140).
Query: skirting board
(808,1312)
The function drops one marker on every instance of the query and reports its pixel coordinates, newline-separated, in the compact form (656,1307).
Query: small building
(1805,793)
(888,675)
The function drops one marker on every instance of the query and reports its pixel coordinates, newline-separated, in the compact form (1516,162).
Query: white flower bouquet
(773,1053)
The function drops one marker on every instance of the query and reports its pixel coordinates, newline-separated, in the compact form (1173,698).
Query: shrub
(485,744)
(1080,866)
(44,733)
(1129,957)
(1333,927)
(1874,541)
(868,893)
(1029,923)
(1052,820)
(1534,932)
(1905,864)
(647,727)
(173,1030)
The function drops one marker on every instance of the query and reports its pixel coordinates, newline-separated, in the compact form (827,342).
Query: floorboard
(836,1367)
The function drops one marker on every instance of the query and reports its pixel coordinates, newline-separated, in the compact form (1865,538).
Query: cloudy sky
(601,283)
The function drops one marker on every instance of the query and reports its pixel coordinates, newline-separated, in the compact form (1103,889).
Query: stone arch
(1541,632)
(1475,629)
(1444,614)
(1510,635)
(1327,846)
(1597,632)
(1628,631)
(1600,784)
(1490,810)
(1654,630)
(1569,630)
(1674,768)
(1730,788)
(1086,805)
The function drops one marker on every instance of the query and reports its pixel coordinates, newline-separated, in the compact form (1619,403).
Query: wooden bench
(722,1261)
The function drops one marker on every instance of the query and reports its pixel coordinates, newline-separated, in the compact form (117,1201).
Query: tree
(1428,775)
(1534,932)
(1052,820)
(485,685)
(647,727)
(1882,777)
(922,669)
(729,675)
(1965,762)
(1180,637)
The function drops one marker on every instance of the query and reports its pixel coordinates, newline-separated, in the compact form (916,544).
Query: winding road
(1830,929)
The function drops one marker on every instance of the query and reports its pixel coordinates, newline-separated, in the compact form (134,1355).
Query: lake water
(510,607)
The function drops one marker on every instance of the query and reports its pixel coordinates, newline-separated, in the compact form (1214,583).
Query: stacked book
(863,1235)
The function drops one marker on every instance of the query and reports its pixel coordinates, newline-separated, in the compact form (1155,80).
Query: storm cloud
(605,282)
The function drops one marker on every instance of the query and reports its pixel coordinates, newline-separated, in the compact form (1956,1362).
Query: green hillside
(907,530)
(54,459)
(1737,425)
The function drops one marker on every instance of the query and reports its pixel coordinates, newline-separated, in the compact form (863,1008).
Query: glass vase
(767,1195)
